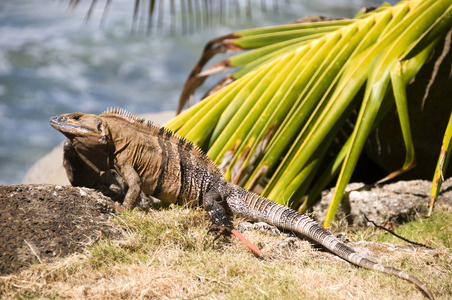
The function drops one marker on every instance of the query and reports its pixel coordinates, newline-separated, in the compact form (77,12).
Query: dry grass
(169,254)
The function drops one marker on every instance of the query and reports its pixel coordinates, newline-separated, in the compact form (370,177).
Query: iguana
(153,160)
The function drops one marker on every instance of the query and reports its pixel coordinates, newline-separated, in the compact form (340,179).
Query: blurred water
(51,62)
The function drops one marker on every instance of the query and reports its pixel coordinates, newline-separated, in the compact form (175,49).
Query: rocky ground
(392,203)
(42,222)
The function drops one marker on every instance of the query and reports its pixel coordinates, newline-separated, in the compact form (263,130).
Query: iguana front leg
(213,204)
(133,181)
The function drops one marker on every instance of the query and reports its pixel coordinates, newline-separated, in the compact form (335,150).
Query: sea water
(53,61)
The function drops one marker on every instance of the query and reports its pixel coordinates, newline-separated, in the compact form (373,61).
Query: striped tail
(268,211)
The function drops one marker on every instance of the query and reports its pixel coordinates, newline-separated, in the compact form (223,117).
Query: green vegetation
(295,87)
(434,231)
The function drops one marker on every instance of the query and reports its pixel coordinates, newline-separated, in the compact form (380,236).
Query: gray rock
(260,226)
(287,243)
(49,169)
(395,202)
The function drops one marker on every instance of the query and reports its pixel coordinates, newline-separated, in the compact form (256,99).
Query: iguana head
(80,125)
(87,150)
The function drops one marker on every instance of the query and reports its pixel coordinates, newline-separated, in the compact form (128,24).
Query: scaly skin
(155,161)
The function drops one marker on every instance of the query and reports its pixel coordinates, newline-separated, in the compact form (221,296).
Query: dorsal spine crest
(133,118)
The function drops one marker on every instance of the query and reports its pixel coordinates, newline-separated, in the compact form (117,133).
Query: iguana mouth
(60,123)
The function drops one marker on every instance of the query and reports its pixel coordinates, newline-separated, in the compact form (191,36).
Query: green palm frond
(297,85)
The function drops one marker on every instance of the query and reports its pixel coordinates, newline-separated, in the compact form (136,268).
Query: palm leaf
(296,87)
(443,161)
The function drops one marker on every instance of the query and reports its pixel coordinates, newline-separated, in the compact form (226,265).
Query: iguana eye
(76,118)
